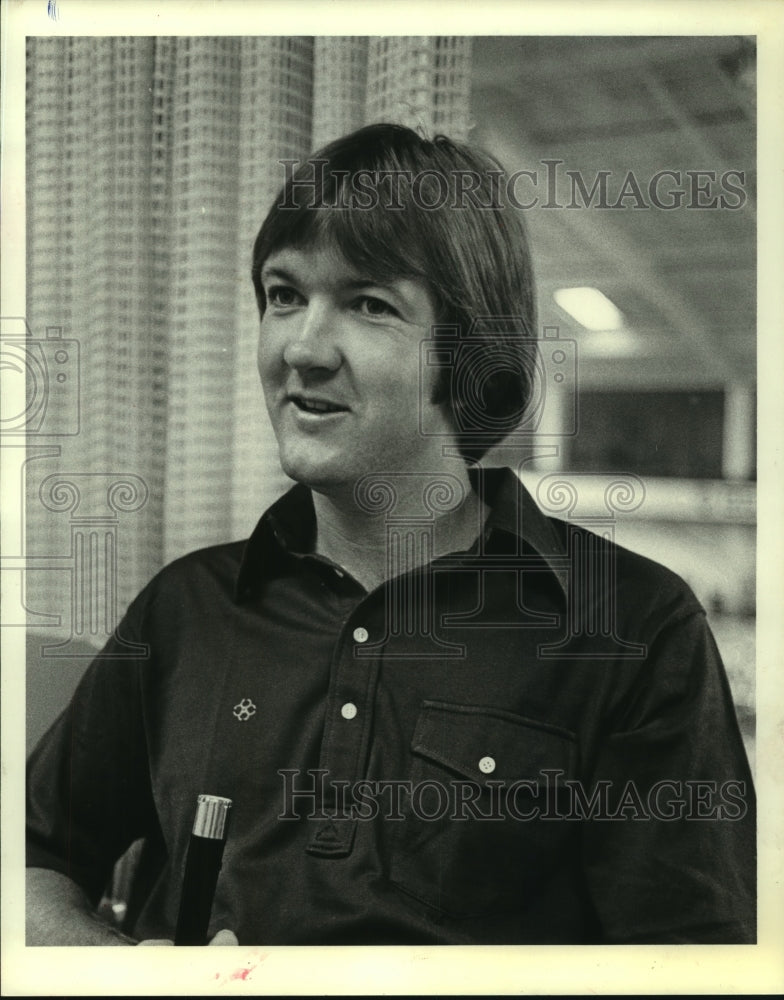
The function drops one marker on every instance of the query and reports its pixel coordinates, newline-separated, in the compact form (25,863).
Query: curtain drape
(151,163)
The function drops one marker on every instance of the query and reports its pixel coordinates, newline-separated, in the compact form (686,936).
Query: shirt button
(360,634)
(487,765)
(349,710)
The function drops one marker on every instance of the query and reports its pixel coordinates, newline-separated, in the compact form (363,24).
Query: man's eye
(371,306)
(282,295)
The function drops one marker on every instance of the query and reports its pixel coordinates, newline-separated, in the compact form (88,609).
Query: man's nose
(313,344)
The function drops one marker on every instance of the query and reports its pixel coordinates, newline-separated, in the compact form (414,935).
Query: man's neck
(440,514)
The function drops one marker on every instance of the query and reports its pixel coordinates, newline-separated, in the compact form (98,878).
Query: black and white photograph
(384,563)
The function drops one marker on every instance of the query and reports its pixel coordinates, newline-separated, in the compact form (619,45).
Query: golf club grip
(202,867)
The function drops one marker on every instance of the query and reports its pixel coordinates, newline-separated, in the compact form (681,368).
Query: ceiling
(684,278)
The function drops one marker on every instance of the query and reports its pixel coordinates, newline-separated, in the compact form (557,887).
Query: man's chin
(319,476)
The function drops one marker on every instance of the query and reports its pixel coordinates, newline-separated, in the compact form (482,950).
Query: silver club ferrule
(212,812)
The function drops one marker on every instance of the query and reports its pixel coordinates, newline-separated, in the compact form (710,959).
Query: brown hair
(400,206)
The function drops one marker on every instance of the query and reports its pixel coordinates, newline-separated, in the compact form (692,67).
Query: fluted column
(410,542)
(592,611)
(94,502)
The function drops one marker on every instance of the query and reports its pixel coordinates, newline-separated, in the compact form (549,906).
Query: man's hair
(400,206)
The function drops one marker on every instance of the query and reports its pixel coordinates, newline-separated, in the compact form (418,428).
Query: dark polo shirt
(529,742)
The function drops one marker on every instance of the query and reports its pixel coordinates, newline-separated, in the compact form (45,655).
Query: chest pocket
(484,824)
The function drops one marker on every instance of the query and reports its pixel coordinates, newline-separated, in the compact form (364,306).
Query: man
(399,680)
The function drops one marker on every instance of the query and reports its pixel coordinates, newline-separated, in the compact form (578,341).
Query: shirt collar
(290,525)
(514,510)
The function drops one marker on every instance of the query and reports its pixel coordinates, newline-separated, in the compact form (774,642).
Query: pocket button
(487,765)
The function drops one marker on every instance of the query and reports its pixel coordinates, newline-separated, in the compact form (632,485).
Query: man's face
(339,363)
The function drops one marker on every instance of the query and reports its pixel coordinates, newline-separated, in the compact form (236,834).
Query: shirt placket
(347,733)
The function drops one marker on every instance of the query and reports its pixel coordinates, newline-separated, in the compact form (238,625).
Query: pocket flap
(487,743)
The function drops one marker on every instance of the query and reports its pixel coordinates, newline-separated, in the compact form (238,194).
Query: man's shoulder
(210,556)
(588,562)
(209,570)
(225,557)
(641,586)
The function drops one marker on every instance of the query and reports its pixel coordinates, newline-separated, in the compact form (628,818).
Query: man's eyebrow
(276,272)
(351,284)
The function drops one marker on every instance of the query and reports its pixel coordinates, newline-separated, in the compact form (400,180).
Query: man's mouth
(309,404)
